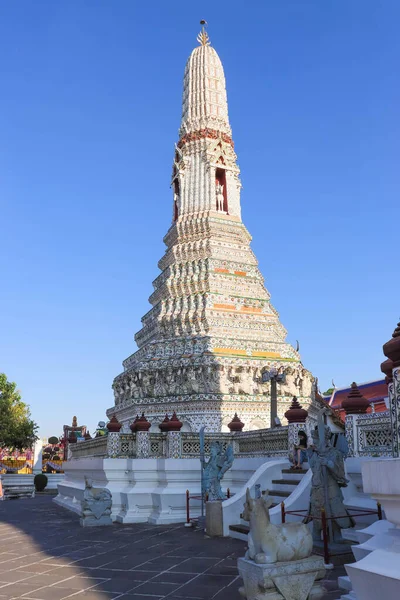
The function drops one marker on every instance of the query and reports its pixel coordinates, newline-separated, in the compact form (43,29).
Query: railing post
(325,536)
(351,435)
(174,446)
(188,523)
(113,444)
(283,515)
(394,396)
(379,511)
(142,444)
(228,493)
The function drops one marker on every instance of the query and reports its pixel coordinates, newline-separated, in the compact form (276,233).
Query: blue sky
(90,99)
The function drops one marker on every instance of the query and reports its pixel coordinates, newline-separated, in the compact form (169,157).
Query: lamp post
(273,376)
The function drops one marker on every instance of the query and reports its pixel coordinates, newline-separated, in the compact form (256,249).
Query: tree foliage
(17,429)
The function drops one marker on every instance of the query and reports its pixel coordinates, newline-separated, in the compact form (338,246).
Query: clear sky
(90,100)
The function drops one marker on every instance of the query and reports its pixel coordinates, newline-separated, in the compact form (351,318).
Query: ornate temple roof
(374,391)
(204,103)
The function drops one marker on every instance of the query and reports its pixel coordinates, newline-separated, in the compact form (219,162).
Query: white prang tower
(211,330)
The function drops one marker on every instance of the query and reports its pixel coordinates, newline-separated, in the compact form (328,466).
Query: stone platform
(46,555)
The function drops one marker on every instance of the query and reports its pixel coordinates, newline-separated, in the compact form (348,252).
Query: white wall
(147,489)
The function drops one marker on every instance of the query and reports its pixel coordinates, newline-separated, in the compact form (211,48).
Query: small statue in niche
(219,194)
(213,471)
(96,506)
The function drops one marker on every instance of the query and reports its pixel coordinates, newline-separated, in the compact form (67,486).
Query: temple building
(211,331)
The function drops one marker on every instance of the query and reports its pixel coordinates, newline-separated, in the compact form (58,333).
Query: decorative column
(113,442)
(296,417)
(142,437)
(392,351)
(37,457)
(173,428)
(355,404)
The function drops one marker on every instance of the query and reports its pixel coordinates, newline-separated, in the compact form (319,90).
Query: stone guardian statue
(213,470)
(96,506)
(328,479)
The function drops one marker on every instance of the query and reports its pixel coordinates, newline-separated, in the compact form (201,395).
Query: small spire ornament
(203,38)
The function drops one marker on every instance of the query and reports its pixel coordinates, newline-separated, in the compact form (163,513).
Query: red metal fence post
(325,536)
(187,507)
(283,516)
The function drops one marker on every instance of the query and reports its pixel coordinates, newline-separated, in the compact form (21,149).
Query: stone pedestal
(214,525)
(91,521)
(294,580)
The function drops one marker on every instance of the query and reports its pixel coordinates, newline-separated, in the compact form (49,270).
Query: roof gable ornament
(203,38)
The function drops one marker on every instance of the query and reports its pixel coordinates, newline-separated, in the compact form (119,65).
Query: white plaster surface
(377,576)
(381,479)
(376,528)
(377,572)
(148,489)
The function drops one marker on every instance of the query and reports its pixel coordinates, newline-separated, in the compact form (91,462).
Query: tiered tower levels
(211,329)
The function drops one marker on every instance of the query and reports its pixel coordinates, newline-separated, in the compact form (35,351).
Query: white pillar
(37,457)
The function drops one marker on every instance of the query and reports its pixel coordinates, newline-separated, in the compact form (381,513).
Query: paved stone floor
(46,555)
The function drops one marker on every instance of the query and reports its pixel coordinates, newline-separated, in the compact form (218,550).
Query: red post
(228,493)
(187,507)
(325,536)
(283,516)
(379,511)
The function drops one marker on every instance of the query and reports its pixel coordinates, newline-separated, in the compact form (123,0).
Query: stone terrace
(46,555)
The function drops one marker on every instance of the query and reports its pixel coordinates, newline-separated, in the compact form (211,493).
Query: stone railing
(264,442)
(369,434)
(127,445)
(95,447)
(190,443)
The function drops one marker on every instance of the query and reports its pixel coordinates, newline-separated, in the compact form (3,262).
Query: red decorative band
(205,133)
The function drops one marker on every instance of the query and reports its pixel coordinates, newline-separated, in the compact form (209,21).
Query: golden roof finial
(203,38)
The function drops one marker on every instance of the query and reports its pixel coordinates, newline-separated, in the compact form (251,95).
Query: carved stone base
(214,525)
(294,580)
(93,522)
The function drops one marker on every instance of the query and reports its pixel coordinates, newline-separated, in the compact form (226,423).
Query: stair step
(295,471)
(344,583)
(286,481)
(279,493)
(240,528)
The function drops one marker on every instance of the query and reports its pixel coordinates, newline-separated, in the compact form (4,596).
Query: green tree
(17,430)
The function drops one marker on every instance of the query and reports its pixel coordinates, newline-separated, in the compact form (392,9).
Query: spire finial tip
(203,38)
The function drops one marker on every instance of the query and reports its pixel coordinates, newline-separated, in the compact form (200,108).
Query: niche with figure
(221,197)
(177,193)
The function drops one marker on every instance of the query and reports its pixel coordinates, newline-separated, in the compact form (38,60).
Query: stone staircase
(280,490)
